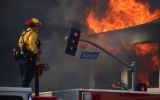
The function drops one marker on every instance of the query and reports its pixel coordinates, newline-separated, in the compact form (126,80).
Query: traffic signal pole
(131,67)
(36,85)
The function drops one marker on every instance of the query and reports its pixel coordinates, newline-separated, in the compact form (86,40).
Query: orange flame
(142,49)
(147,54)
(121,14)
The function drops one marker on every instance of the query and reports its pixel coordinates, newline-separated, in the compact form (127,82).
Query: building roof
(148,32)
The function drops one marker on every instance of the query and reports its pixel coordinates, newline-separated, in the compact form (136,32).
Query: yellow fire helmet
(33,22)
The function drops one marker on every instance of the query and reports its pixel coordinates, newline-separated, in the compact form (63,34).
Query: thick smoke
(57,17)
(64,68)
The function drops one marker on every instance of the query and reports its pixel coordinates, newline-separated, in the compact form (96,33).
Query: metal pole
(36,85)
(117,59)
(133,80)
(91,78)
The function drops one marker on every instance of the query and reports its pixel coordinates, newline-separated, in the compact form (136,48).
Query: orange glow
(147,49)
(143,78)
(142,49)
(147,54)
(121,14)
(155,61)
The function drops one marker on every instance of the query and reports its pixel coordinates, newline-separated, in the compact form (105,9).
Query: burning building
(130,30)
(141,46)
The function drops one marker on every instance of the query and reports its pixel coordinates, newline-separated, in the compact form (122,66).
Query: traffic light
(73,41)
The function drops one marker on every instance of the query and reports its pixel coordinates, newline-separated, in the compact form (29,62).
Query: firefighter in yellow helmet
(30,50)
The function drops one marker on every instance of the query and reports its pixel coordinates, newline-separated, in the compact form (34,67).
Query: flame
(121,14)
(147,56)
(142,49)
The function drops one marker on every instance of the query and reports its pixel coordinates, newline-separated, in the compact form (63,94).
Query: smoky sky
(57,17)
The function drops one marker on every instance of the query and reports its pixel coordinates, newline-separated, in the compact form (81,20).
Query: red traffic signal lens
(76,34)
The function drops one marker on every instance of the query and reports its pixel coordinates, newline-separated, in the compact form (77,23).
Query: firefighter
(29,45)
